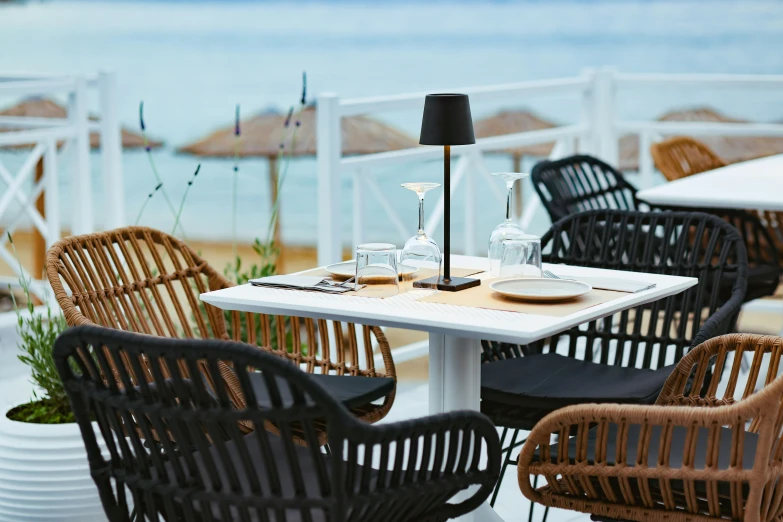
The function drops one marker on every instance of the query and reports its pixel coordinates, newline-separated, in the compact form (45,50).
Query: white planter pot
(44,475)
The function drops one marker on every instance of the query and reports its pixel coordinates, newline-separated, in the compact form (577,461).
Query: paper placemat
(405,285)
(484,297)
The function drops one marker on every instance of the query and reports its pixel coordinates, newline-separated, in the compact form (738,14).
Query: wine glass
(421,251)
(509,233)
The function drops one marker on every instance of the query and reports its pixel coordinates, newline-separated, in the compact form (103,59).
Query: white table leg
(455,384)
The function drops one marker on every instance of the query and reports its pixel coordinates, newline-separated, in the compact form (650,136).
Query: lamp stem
(447,213)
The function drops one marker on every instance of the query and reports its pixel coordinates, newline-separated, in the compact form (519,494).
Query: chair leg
(533,504)
(506,462)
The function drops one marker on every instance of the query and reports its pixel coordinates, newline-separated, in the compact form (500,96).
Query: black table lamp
(447,121)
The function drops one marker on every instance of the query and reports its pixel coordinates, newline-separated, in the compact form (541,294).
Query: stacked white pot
(44,475)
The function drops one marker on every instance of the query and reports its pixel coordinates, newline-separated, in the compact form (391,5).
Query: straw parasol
(45,108)
(262,134)
(510,122)
(731,149)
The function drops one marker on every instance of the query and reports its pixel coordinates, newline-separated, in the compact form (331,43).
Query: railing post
(111,152)
(588,142)
(359,196)
(52,201)
(604,112)
(646,166)
(328,154)
(81,200)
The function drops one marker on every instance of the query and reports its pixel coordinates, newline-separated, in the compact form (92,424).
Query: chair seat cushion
(279,467)
(351,390)
(554,381)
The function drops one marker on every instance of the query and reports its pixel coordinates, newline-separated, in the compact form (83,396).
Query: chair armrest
(695,381)
(435,458)
(599,444)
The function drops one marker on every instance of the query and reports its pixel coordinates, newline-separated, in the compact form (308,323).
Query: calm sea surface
(191,62)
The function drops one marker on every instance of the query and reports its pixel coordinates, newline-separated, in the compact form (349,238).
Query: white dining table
(454,331)
(755,184)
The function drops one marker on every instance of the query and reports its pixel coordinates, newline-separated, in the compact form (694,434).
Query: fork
(332,282)
(549,275)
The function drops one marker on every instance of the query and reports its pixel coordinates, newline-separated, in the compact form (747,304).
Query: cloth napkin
(612,283)
(308,283)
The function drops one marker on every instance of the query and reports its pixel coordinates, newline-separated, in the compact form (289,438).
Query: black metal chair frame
(174,441)
(622,240)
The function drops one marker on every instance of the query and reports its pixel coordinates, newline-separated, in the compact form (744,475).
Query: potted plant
(44,474)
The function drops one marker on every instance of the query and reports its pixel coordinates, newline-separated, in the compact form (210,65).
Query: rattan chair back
(711,449)
(142,280)
(683,156)
(208,470)
(688,244)
(580,183)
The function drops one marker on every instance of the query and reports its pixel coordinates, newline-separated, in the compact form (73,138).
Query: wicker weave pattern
(658,334)
(682,156)
(580,183)
(256,477)
(702,393)
(142,280)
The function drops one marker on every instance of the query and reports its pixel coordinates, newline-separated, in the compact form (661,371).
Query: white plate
(348,269)
(534,289)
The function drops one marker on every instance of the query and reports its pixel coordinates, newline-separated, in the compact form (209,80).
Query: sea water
(192,62)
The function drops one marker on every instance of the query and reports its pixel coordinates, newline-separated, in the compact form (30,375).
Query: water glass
(376,270)
(520,257)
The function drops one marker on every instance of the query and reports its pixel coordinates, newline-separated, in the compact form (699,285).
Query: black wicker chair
(176,453)
(579,183)
(627,357)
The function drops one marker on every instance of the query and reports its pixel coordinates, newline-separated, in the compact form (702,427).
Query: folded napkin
(612,283)
(297,282)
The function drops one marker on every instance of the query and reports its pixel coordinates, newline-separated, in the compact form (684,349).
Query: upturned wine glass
(508,233)
(421,250)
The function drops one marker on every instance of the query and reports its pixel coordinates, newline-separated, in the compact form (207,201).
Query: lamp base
(455,284)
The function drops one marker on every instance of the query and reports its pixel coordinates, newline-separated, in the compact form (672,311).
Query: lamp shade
(446,120)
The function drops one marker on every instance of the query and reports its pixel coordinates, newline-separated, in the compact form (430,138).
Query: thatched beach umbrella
(261,136)
(45,108)
(510,122)
(731,149)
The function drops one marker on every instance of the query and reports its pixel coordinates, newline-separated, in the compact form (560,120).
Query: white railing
(596,132)
(45,163)
(469,159)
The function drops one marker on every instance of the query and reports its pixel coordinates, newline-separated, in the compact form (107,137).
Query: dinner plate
(534,289)
(348,269)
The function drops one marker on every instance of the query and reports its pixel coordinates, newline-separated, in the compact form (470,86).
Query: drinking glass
(509,231)
(376,270)
(520,257)
(421,251)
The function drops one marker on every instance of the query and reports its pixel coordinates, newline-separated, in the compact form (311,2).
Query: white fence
(60,144)
(596,132)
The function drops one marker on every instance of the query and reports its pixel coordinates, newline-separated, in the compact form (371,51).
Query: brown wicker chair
(142,280)
(683,156)
(710,449)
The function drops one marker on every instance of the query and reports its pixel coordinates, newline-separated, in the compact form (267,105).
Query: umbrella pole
(517,158)
(273,186)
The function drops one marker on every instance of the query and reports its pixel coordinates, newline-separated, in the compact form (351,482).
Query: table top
(403,311)
(755,184)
